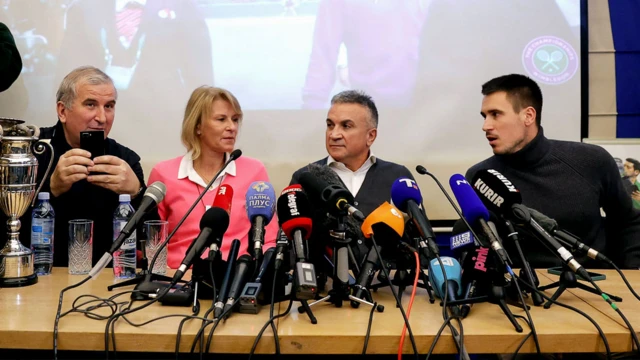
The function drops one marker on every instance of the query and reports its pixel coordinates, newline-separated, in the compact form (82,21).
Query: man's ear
(62,112)
(529,116)
(371,136)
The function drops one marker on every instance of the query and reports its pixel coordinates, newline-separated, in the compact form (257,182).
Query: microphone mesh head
(156,191)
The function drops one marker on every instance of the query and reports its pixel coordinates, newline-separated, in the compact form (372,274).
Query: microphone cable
(413,295)
(271,320)
(617,309)
(595,324)
(526,310)
(395,295)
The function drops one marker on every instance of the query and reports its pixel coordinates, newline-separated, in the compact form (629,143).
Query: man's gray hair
(84,74)
(357,97)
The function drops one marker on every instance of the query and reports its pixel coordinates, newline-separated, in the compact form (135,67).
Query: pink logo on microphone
(550,60)
(481,259)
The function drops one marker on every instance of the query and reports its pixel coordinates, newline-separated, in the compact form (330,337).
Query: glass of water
(156,231)
(80,246)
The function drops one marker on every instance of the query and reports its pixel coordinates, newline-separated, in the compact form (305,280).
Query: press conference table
(27,317)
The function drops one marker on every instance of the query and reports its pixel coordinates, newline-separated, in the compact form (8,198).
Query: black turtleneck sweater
(82,201)
(570,182)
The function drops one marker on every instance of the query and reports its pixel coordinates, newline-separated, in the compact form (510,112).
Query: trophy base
(18,281)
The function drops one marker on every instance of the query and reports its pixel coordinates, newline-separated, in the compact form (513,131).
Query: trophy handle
(39,148)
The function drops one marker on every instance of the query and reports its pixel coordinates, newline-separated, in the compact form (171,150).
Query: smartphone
(594,276)
(93,142)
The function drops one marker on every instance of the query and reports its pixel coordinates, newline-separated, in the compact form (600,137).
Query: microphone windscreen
(260,200)
(470,204)
(452,270)
(402,191)
(294,211)
(224,198)
(384,216)
(322,177)
(235,154)
(216,219)
(313,185)
(549,224)
(496,191)
(156,191)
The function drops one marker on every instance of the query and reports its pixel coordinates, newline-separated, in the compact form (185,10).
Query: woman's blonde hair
(198,109)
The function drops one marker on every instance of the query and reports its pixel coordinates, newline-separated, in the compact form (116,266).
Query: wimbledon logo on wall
(550,60)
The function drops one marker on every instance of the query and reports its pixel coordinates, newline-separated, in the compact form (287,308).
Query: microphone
(387,223)
(453,286)
(551,226)
(232,157)
(473,258)
(244,269)
(365,277)
(335,197)
(214,223)
(475,212)
(226,280)
(282,244)
(222,200)
(293,216)
(152,197)
(294,219)
(406,195)
(503,195)
(249,296)
(261,203)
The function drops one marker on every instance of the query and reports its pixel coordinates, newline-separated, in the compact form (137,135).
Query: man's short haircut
(521,91)
(67,91)
(357,97)
(636,163)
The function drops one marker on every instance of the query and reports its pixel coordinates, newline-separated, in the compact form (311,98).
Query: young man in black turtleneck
(568,181)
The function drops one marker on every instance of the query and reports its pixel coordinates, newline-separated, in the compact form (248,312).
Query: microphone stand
(403,278)
(496,295)
(141,276)
(147,286)
(341,291)
(569,280)
(529,274)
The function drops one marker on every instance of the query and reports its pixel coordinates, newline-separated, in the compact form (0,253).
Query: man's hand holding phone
(71,168)
(114,174)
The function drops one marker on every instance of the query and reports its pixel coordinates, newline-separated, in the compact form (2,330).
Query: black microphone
(244,268)
(365,277)
(249,296)
(551,226)
(226,280)
(282,245)
(214,223)
(152,197)
(335,197)
(501,194)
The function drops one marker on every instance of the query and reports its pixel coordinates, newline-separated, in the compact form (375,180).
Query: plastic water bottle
(42,223)
(124,259)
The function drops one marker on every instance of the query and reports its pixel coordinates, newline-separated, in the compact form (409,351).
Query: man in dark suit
(352,127)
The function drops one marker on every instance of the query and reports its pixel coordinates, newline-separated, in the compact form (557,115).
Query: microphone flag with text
(261,204)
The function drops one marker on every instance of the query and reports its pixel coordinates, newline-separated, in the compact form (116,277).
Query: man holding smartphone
(85,185)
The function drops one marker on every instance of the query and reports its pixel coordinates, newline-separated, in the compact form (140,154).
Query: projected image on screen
(422,61)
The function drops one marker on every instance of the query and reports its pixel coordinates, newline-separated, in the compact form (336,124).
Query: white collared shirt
(352,179)
(186,170)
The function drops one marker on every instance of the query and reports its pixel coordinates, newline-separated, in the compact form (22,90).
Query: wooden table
(28,315)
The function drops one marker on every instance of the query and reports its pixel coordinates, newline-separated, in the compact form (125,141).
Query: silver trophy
(18,174)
